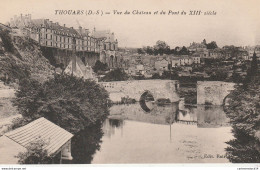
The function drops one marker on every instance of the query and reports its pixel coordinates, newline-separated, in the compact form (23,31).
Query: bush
(115,75)
(35,154)
(99,66)
(67,101)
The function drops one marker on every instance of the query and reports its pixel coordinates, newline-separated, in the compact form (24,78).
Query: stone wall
(213,92)
(62,57)
(135,88)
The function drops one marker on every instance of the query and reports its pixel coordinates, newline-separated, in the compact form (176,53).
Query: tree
(243,109)
(140,51)
(156,76)
(35,154)
(161,47)
(149,50)
(212,45)
(116,75)
(184,51)
(67,101)
(99,66)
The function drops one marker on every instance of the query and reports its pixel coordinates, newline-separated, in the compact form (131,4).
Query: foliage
(35,154)
(14,70)
(183,51)
(7,42)
(244,110)
(161,47)
(242,149)
(99,66)
(212,45)
(67,101)
(189,95)
(156,76)
(116,75)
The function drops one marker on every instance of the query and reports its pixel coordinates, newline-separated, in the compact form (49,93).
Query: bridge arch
(145,97)
(225,102)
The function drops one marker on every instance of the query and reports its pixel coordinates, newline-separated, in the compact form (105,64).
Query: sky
(237,22)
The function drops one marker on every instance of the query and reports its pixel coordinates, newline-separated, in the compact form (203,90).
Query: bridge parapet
(213,92)
(135,88)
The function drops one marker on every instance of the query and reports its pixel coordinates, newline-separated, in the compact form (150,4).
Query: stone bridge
(213,92)
(137,89)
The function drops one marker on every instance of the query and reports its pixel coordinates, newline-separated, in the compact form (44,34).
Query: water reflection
(85,144)
(169,134)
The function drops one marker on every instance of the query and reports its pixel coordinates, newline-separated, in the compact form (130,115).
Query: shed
(58,140)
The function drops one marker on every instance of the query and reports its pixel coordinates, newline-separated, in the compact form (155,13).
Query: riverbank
(8,112)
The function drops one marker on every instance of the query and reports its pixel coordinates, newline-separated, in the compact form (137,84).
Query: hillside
(22,58)
(19,59)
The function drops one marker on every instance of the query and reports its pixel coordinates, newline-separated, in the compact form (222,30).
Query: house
(196,59)
(186,60)
(58,140)
(161,64)
(197,47)
(215,53)
(139,69)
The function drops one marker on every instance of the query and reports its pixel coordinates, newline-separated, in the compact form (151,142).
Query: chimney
(64,25)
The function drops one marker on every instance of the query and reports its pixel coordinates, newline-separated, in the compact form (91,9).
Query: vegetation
(244,112)
(100,67)
(7,42)
(161,47)
(67,101)
(116,75)
(35,154)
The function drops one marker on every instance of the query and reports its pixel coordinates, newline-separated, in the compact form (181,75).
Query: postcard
(143,82)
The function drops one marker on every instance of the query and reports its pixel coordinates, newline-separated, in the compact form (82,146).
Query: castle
(58,41)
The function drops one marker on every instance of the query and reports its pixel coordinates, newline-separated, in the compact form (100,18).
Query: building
(197,47)
(161,65)
(196,59)
(79,69)
(58,140)
(139,69)
(100,45)
(215,53)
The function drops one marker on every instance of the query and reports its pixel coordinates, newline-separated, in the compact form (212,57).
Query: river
(162,134)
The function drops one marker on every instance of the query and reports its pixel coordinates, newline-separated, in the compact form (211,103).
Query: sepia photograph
(133,82)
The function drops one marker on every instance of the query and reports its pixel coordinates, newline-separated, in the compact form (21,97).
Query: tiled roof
(53,135)
(38,23)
